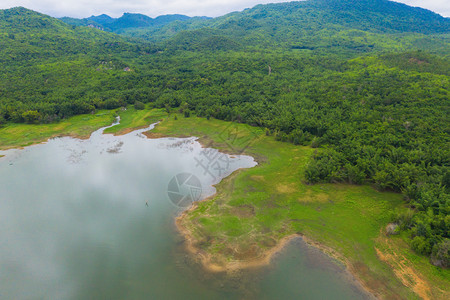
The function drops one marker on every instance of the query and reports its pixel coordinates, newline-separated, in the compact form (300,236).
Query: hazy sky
(153,8)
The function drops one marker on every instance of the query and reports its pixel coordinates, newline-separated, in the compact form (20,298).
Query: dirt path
(403,269)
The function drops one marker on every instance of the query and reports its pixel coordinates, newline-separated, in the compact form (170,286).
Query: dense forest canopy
(365,82)
(320,23)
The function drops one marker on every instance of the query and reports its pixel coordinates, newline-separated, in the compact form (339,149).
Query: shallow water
(93,219)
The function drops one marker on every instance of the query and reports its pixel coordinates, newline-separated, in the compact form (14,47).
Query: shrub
(31,116)
(441,254)
(325,168)
(421,245)
(139,105)
(405,219)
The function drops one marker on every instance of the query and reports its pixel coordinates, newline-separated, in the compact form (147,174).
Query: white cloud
(441,7)
(153,8)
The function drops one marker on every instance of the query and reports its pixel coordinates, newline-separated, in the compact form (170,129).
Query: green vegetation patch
(131,119)
(14,135)
(255,208)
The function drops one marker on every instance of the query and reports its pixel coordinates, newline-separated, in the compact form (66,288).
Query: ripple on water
(92,219)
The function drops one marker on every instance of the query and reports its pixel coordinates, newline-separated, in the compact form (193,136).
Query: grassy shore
(256,209)
(13,135)
(132,119)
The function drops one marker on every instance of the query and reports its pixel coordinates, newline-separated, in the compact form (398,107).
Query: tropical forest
(347,103)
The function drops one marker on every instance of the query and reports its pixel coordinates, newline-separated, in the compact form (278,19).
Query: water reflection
(91,219)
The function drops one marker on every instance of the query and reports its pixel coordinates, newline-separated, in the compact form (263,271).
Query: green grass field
(13,135)
(255,208)
(131,119)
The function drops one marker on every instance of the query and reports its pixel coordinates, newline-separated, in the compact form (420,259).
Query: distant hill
(101,19)
(126,21)
(368,15)
(54,68)
(26,35)
(342,26)
(337,73)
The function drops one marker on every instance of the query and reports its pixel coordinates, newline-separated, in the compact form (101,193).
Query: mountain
(343,27)
(369,15)
(126,21)
(52,67)
(28,35)
(369,80)
(358,25)
(166,19)
(383,15)
(101,19)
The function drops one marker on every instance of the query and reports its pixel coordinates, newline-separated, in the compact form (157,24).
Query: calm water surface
(91,219)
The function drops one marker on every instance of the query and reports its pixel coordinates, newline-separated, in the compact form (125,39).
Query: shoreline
(45,140)
(126,130)
(266,259)
(348,266)
(205,142)
(205,258)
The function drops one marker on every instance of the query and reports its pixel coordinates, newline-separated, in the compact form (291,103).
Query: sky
(153,8)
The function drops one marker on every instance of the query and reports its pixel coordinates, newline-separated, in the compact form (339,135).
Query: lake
(94,219)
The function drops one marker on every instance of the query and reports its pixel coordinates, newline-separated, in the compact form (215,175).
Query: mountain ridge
(349,78)
(127,20)
(315,24)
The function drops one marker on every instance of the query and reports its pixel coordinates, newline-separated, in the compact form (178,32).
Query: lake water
(94,219)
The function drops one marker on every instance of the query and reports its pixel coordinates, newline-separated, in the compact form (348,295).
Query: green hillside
(126,21)
(348,27)
(52,70)
(26,36)
(364,83)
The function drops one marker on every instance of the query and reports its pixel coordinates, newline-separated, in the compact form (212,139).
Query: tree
(441,254)
(421,245)
(31,116)
(139,105)
(184,106)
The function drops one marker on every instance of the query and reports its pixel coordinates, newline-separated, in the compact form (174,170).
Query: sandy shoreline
(45,140)
(126,130)
(265,259)
(206,258)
